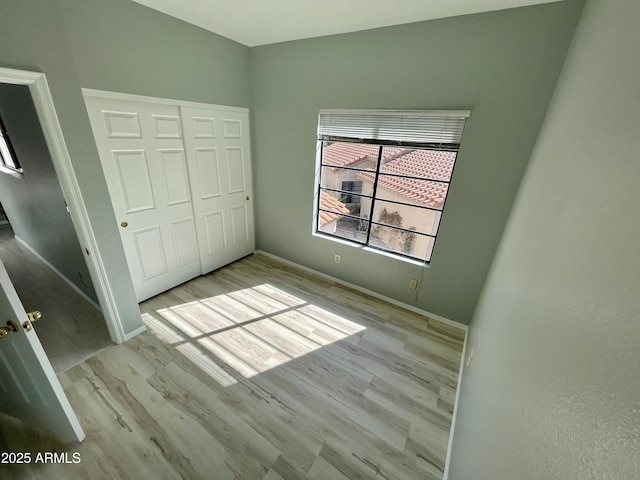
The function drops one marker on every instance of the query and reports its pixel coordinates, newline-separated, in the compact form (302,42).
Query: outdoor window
(7,155)
(355,187)
(384,176)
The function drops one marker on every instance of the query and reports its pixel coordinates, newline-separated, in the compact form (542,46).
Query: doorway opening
(50,128)
(39,246)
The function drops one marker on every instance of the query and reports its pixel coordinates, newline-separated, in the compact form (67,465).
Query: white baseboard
(456,404)
(134,333)
(59,273)
(393,301)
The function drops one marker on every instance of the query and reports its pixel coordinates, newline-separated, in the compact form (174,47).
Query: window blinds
(434,128)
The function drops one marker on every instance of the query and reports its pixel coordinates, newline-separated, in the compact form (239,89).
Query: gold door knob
(10,327)
(124,224)
(248,197)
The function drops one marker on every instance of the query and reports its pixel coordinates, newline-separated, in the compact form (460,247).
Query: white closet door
(219,159)
(143,157)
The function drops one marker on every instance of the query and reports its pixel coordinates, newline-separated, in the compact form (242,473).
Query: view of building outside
(395,206)
(7,156)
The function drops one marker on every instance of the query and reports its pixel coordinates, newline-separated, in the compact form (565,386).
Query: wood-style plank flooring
(261,371)
(71,329)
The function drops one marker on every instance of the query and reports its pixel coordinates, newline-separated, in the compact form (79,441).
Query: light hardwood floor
(71,329)
(261,371)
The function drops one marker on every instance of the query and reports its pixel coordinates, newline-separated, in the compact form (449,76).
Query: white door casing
(143,158)
(219,159)
(29,388)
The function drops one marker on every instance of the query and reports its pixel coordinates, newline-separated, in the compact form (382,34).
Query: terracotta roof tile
(327,202)
(430,164)
(348,154)
(433,164)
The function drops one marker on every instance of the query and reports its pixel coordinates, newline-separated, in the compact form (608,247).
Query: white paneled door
(29,388)
(175,176)
(142,153)
(218,152)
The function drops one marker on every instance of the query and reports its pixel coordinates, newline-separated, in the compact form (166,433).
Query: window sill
(9,171)
(418,263)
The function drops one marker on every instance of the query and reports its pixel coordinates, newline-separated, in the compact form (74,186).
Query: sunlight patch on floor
(251,330)
(199,358)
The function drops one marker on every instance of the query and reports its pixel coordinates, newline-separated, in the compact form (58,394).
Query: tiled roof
(327,202)
(433,164)
(345,154)
(348,154)
(430,164)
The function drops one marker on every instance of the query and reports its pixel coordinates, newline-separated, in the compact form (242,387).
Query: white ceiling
(260,22)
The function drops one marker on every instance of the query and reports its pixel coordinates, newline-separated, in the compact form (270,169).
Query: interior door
(219,159)
(29,388)
(142,154)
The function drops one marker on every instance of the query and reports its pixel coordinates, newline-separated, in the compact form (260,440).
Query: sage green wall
(122,46)
(35,40)
(553,391)
(501,65)
(34,202)
(116,45)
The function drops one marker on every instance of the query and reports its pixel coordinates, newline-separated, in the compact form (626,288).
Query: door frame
(45,109)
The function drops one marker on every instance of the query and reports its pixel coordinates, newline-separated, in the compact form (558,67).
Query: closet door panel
(143,157)
(219,159)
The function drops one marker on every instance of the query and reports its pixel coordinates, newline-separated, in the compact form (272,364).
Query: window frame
(5,141)
(373,197)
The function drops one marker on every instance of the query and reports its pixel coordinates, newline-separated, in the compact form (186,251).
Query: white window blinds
(433,128)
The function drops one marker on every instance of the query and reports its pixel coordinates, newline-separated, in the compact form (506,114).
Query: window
(384,176)
(355,187)
(8,158)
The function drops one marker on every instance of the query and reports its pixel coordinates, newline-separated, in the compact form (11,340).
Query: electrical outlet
(413,284)
(336,258)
